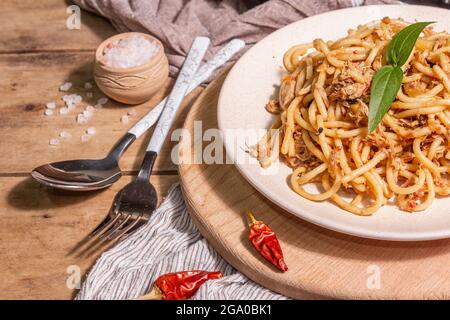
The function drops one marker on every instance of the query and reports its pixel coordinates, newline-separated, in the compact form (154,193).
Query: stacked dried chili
(179,285)
(266,242)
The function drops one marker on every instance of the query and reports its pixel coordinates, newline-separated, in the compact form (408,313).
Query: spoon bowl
(84,174)
(78,174)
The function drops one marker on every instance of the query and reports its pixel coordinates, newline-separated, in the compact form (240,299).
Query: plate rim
(302,213)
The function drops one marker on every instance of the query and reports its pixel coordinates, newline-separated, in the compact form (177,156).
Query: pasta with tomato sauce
(322,109)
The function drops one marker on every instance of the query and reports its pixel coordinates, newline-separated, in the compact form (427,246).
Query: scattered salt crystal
(131,113)
(85,137)
(65,98)
(51,105)
(64,110)
(124,119)
(65,135)
(81,118)
(65,86)
(48,112)
(53,142)
(72,100)
(88,85)
(102,100)
(89,108)
(87,114)
(91,131)
(130,52)
(89,95)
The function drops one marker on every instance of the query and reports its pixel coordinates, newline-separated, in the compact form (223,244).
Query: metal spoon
(87,174)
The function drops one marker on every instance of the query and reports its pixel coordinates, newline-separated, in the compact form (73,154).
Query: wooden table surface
(39,226)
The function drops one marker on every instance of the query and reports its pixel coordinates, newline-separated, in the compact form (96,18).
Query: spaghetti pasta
(321,121)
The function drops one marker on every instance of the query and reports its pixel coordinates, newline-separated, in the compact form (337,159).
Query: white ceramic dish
(249,86)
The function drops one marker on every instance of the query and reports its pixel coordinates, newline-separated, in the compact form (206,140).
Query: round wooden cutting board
(322,263)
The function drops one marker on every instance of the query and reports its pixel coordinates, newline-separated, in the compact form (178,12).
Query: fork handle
(147,165)
(187,72)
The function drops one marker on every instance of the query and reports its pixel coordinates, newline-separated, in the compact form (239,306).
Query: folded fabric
(177,22)
(169,242)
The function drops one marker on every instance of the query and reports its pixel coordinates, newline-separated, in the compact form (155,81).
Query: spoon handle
(187,72)
(203,73)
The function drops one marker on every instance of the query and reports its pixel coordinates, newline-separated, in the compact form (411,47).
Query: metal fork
(133,205)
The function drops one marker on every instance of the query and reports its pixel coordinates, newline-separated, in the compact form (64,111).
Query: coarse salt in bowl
(129,52)
(130,67)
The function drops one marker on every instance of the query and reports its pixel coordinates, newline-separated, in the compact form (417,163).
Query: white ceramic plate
(250,84)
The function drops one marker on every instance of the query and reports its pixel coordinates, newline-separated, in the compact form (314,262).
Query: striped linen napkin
(169,242)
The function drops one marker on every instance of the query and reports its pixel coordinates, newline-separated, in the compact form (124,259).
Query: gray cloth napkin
(177,22)
(169,242)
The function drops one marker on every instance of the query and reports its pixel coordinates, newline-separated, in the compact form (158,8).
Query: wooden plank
(29,26)
(29,81)
(38,229)
(39,226)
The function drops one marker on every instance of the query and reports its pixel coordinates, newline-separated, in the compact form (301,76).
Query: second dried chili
(179,285)
(266,242)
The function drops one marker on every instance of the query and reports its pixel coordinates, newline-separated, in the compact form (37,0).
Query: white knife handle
(203,73)
(176,96)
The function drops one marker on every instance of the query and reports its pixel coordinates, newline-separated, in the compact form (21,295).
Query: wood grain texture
(38,229)
(29,81)
(33,26)
(39,226)
(322,263)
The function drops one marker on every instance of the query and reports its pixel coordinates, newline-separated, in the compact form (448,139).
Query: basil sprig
(388,79)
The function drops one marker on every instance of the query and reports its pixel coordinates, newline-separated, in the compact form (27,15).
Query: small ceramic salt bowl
(131,85)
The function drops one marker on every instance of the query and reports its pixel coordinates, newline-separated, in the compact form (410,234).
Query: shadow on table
(30,195)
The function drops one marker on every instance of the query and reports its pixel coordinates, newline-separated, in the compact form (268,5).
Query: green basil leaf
(385,85)
(401,45)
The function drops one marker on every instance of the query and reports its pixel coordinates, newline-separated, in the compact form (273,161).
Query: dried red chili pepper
(266,242)
(179,285)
